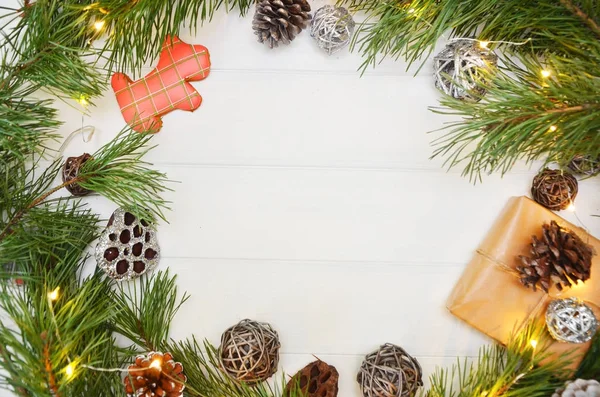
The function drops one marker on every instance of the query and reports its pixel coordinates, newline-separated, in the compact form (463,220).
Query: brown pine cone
(278,21)
(155,375)
(561,258)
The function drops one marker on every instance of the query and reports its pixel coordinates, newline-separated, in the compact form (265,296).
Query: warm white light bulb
(411,10)
(553,128)
(70,371)
(156,364)
(571,207)
(83,100)
(484,44)
(533,343)
(546,73)
(99,25)
(54,294)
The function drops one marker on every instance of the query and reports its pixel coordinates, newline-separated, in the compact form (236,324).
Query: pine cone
(560,258)
(581,387)
(280,20)
(155,375)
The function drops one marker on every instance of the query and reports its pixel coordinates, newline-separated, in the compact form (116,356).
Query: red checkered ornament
(166,88)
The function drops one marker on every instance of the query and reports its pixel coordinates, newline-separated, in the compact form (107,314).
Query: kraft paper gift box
(491,298)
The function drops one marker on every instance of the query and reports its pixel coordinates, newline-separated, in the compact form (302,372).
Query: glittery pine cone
(155,375)
(280,21)
(579,388)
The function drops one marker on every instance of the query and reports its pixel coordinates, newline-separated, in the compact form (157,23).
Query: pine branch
(582,15)
(206,379)
(519,369)
(144,315)
(590,366)
(117,172)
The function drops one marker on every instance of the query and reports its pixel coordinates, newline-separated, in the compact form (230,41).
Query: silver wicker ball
(570,320)
(332,28)
(462,67)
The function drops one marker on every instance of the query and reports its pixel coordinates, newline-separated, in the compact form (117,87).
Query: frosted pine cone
(579,388)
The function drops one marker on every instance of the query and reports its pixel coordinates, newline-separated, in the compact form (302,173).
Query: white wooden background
(306,199)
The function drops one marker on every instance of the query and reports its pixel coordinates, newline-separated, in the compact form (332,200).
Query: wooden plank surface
(306,198)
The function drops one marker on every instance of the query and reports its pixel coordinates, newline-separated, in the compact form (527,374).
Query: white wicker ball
(462,67)
(332,28)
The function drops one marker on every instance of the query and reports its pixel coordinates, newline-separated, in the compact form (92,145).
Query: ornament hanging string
(87,132)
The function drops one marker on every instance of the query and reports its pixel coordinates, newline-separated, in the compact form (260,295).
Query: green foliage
(590,366)
(519,369)
(201,365)
(511,122)
(117,172)
(147,310)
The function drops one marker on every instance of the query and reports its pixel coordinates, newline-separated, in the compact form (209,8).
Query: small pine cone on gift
(155,375)
(579,388)
(560,258)
(278,21)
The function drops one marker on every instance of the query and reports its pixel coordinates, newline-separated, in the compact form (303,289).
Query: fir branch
(206,379)
(582,15)
(145,315)
(117,172)
(590,366)
(519,369)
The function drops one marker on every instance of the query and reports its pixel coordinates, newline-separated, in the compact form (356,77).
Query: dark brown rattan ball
(390,372)
(585,165)
(249,351)
(554,189)
(70,171)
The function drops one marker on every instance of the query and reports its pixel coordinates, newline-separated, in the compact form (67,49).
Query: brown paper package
(493,300)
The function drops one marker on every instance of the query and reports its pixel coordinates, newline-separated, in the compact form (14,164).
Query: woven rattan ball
(554,189)
(389,372)
(70,171)
(570,320)
(462,68)
(332,28)
(585,165)
(249,351)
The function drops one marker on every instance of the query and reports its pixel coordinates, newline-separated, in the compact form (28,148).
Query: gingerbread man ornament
(143,102)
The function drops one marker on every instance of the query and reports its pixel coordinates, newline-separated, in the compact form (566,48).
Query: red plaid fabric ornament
(166,88)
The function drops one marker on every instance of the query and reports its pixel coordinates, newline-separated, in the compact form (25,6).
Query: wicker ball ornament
(554,189)
(461,68)
(128,247)
(249,351)
(570,320)
(579,388)
(70,171)
(332,28)
(585,165)
(390,372)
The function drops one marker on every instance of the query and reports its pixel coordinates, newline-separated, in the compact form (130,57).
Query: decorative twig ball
(579,388)
(70,171)
(462,69)
(128,247)
(584,165)
(554,189)
(332,28)
(390,372)
(317,379)
(249,351)
(570,320)
(155,375)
